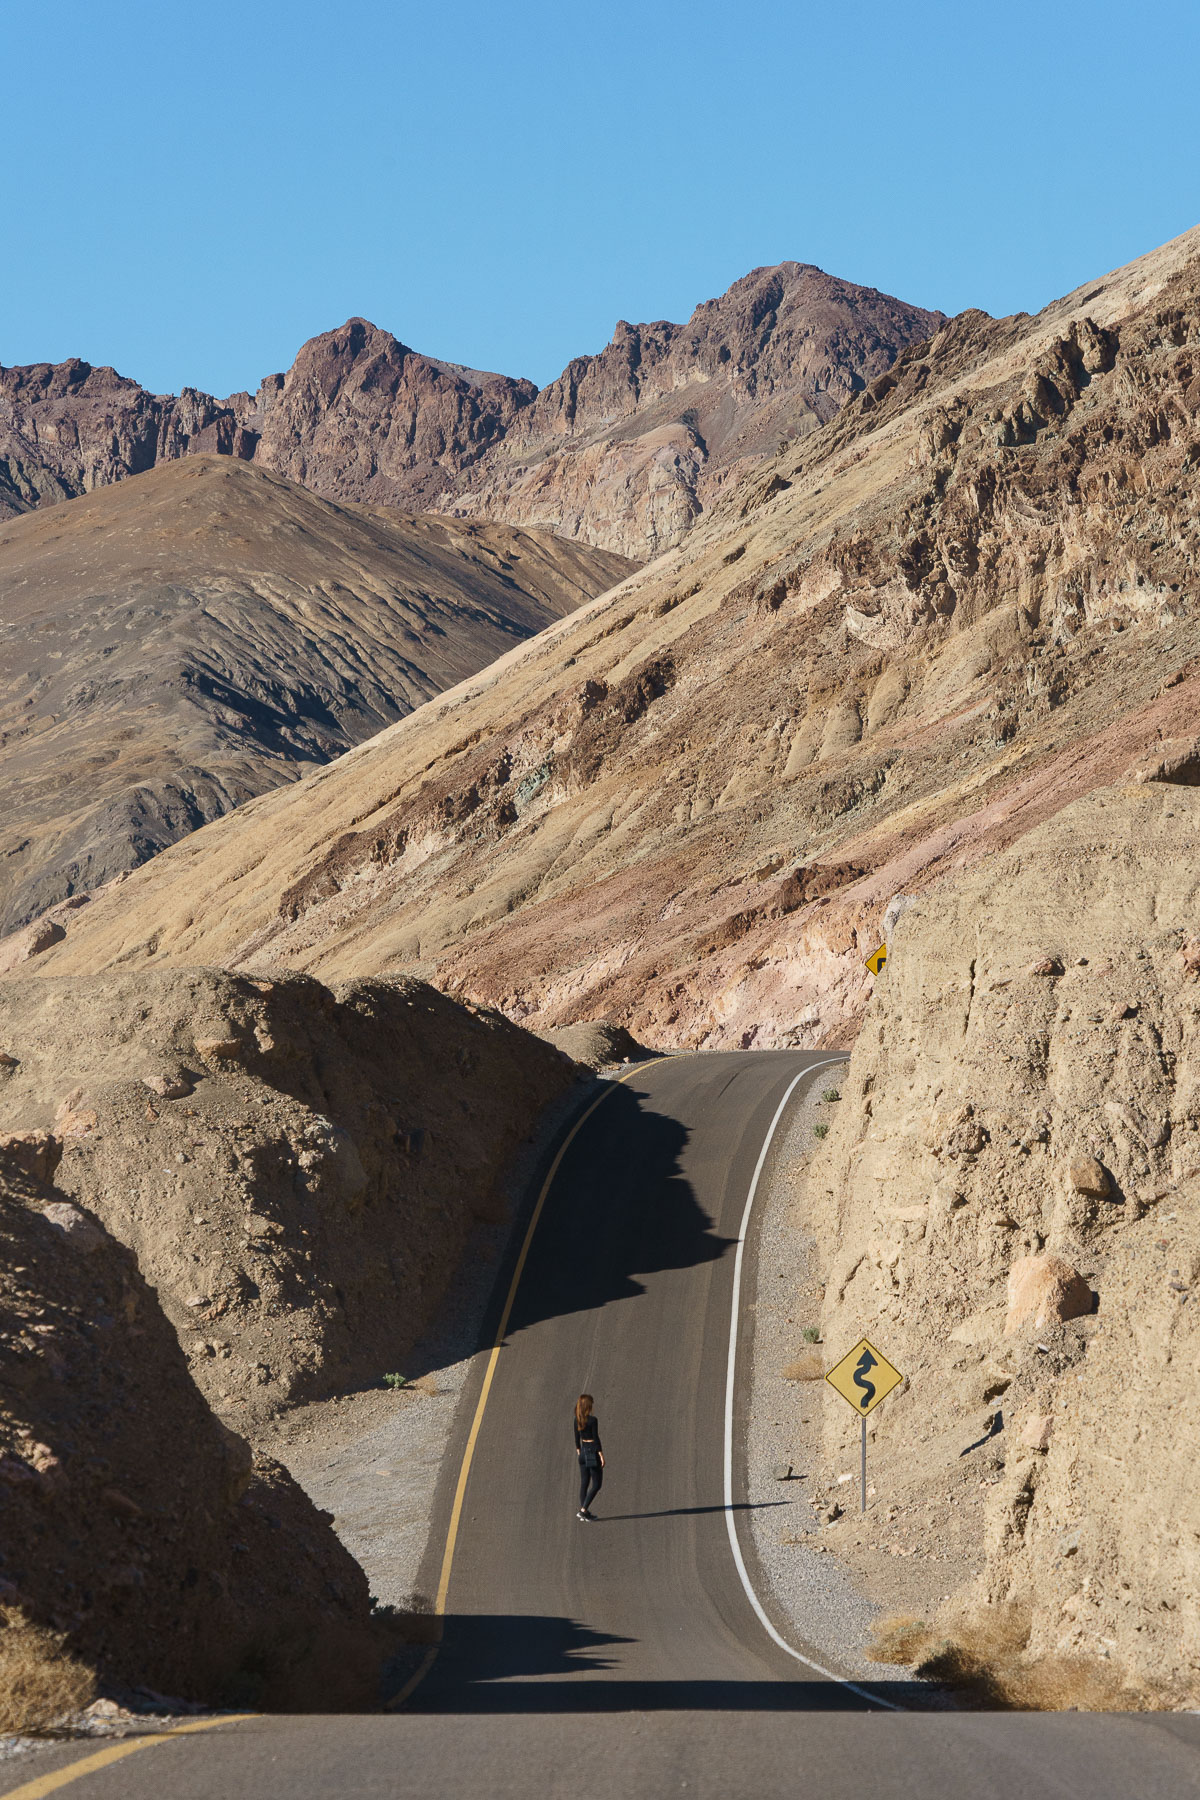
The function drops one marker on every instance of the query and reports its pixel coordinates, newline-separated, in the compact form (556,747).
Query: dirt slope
(196,635)
(624,450)
(962,604)
(134,1522)
(297,1172)
(1018,1133)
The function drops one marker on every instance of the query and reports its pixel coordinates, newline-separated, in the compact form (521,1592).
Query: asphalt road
(625,1658)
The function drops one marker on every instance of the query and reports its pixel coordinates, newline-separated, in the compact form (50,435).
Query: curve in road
(626,1657)
(626,1288)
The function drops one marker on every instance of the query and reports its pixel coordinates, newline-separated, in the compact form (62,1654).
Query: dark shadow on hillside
(537,1664)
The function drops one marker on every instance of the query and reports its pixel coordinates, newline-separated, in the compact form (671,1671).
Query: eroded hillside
(1009,1209)
(141,1531)
(965,602)
(296,1171)
(201,633)
(629,448)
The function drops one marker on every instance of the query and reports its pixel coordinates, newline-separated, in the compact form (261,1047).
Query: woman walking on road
(591,1456)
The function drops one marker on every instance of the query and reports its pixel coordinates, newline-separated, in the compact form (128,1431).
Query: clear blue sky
(193,189)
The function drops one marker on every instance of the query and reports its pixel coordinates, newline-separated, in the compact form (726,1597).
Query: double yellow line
(443,1587)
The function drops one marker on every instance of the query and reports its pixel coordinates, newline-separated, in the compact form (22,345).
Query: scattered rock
(227,1049)
(1045,965)
(75,1117)
(1044,1290)
(80,1232)
(782,1471)
(168,1087)
(1087,1176)
(121,1503)
(24,945)
(965,1139)
(36,1153)
(1037,1431)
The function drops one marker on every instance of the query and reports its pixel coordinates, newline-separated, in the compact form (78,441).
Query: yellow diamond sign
(864,1378)
(877,959)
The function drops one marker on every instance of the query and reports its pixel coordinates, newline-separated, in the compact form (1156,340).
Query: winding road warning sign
(864,1378)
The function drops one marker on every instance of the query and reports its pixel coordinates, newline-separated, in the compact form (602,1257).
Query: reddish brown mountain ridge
(624,450)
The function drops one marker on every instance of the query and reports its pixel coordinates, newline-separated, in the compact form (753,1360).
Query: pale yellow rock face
(979,1090)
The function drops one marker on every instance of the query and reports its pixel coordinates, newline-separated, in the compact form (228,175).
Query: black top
(591,1431)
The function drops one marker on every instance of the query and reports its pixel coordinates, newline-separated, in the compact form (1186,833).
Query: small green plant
(821,1129)
(830,1095)
(395,1381)
(811,1335)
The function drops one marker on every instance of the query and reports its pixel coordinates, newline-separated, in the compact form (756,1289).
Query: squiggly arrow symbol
(866,1361)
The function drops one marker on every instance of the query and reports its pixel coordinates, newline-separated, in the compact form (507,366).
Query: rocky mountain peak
(624,450)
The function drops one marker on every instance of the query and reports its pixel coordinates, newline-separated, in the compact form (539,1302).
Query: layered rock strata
(965,602)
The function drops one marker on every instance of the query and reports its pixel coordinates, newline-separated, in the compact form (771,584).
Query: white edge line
(730,1517)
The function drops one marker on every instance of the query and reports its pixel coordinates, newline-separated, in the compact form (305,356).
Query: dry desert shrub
(39,1683)
(984,1661)
(805,1368)
(898,1640)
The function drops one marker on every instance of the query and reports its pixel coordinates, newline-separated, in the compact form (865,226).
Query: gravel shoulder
(829,1579)
(808,1588)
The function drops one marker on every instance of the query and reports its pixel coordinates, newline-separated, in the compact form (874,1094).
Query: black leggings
(589,1485)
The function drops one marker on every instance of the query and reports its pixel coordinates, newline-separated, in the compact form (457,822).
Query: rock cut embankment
(296,1170)
(165,1553)
(1011,1214)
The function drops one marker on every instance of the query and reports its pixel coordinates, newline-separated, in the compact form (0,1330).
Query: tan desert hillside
(198,634)
(623,451)
(296,1170)
(1009,1207)
(964,603)
(229,1194)
(140,1533)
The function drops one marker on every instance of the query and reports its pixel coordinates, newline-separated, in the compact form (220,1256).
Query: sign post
(863,1378)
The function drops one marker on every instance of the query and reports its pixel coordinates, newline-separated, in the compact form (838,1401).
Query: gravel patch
(811,1595)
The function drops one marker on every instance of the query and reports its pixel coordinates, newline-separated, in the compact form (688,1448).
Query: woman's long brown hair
(583,1410)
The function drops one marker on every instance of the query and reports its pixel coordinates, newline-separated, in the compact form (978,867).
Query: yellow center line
(443,1589)
(48,1784)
